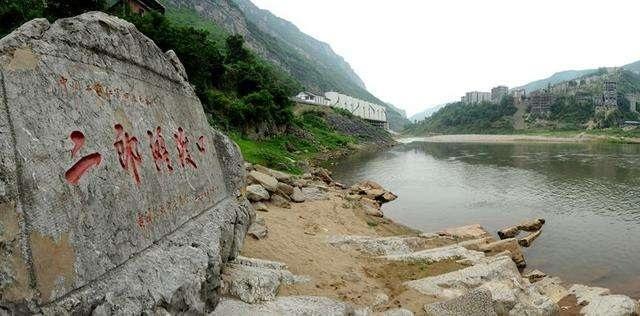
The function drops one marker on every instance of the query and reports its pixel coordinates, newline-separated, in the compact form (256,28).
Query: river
(588,193)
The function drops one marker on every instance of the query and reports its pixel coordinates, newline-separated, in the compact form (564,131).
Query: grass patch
(284,151)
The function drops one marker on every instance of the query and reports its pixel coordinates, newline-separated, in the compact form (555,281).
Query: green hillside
(313,63)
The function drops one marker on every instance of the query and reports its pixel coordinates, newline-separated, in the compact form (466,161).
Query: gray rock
(534,275)
(380,300)
(254,280)
(279,175)
(454,284)
(279,201)
(510,245)
(552,288)
(260,207)
(257,193)
(287,305)
(379,246)
(476,302)
(131,198)
(372,210)
(258,229)
(452,252)
(268,182)
(285,189)
(601,302)
(314,194)
(398,312)
(297,195)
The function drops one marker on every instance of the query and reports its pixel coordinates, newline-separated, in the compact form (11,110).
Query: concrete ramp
(108,168)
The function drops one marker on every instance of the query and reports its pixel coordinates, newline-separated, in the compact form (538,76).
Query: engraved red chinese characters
(159,150)
(182,144)
(83,165)
(128,154)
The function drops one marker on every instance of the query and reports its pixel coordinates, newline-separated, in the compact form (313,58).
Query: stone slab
(105,152)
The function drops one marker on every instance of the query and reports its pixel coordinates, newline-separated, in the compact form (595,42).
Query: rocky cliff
(313,63)
(116,196)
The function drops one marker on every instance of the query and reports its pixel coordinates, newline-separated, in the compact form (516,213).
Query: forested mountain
(313,63)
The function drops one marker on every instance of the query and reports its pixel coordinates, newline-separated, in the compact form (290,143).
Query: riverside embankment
(330,250)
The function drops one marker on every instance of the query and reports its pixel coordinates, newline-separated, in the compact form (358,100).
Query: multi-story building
(540,102)
(498,93)
(474,97)
(518,94)
(610,94)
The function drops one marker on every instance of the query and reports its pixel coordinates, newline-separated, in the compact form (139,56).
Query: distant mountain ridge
(312,62)
(426,113)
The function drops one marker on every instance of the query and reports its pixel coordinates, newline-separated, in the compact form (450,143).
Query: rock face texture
(116,194)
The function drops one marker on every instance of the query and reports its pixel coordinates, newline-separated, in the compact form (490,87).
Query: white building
(374,113)
(311,98)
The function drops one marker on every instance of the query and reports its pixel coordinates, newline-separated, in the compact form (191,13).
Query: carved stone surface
(109,168)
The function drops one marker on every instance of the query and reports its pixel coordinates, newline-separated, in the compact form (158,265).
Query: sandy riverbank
(345,250)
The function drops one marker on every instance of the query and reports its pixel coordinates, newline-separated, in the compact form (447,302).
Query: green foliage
(14,13)
(567,109)
(281,152)
(465,118)
(237,89)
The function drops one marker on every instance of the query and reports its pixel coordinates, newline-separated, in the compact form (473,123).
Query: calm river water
(588,193)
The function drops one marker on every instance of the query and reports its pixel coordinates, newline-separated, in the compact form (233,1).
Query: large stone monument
(116,196)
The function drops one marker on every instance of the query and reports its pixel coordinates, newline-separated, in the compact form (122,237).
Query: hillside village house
(138,6)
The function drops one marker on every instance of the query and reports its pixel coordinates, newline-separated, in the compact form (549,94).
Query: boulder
(510,294)
(388,197)
(599,301)
(314,194)
(509,232)
(552,288)
(258,229)
(456,283)
(286,305)
(445,253)
(255,280)
(398,312)
(528,240)
(279,175)
(534,275)
(374,194)
(280,202)
(260,207)
(285,189)
(257,193)
(474,231)
(531,225)
(510,245)
(268,182)
(322,174)
(368,184)
(298,196)
(378,246)
(117,195)
(371,210)
(476,302)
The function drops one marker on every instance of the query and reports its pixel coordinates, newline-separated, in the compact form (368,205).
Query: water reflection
(587,192)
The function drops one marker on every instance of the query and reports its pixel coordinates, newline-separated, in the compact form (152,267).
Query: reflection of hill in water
(619,163)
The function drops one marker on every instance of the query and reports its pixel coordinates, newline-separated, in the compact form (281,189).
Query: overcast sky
(420,53)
